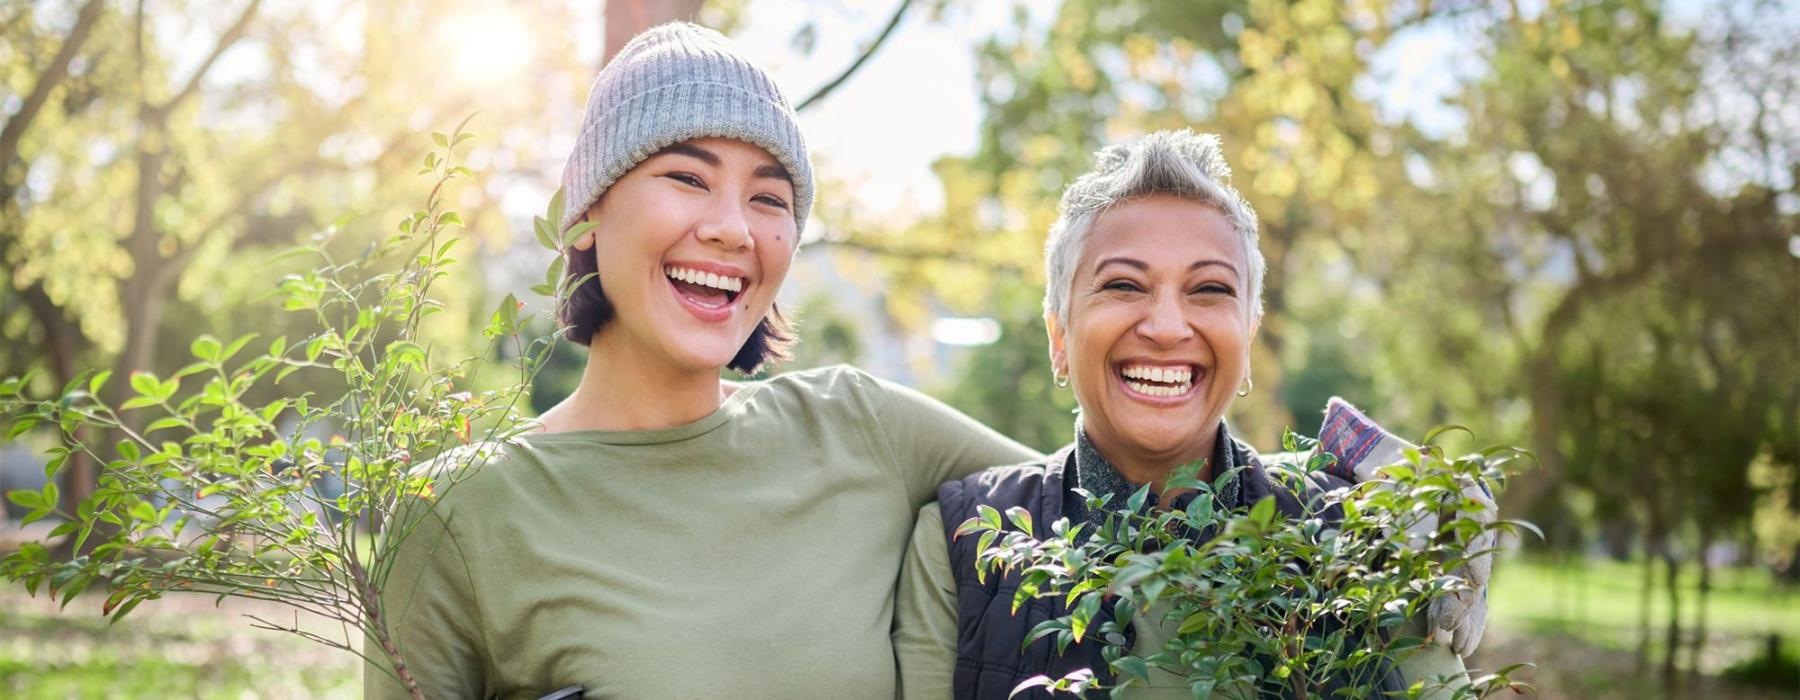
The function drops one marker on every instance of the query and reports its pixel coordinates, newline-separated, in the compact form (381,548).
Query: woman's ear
(1059,355)
(586,241)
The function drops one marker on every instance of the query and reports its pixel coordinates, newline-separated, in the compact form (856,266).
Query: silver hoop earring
(1248,385)
(1062,380)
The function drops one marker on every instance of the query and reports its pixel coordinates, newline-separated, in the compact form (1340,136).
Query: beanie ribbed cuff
(674,83)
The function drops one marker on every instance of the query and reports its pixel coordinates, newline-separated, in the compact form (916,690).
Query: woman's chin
(1175,440)
(701,359)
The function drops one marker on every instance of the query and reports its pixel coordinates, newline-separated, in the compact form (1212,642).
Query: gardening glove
(1362,447)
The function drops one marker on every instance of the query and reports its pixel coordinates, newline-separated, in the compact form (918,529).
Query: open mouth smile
(1159,383)
(708,294)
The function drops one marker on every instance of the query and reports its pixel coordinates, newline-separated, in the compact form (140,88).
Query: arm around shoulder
(932,443)
(924,632)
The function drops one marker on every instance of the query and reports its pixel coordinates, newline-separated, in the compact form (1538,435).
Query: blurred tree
(170,149)
(1277,79)
(1606,241)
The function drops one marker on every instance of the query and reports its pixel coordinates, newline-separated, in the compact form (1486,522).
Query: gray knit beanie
(672,83)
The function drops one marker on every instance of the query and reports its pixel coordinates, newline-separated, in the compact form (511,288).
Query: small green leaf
(1263,513)
(1020,518)
(553,212)
(144,383)
(1084,614)
(205,347)
(236,345)
(20,426)
(1132,667)
(164,424)
(407,354)
(99,381)
(26,498)
(440,139)
(578,230)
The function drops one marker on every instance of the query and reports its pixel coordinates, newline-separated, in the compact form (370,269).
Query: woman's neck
(623,388)
(1148,468)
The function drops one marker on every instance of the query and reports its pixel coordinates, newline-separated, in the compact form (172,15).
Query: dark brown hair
(587,310)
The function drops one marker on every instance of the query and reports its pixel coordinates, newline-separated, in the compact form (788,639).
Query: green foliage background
(1591,253)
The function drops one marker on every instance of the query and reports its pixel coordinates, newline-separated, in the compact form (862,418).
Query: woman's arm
(924,631)
(930,442)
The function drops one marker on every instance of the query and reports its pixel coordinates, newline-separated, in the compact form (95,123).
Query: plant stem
(378,626)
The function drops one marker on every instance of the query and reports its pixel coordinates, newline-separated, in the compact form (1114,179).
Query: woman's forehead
(1160,233)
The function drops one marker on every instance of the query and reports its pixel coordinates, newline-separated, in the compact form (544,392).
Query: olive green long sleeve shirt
(751,554)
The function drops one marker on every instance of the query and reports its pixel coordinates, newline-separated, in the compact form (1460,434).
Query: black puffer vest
(989,663)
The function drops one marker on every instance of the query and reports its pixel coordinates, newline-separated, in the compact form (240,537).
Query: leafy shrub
(1260,603)
(202,493)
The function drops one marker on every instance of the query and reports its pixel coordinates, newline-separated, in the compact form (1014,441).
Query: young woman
(669,534)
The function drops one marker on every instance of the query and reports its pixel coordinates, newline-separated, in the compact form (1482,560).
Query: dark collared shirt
(1099,477)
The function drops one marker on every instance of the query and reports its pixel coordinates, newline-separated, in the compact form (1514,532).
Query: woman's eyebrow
(774,171)
(1211,262)
(692,151)
(1134,263)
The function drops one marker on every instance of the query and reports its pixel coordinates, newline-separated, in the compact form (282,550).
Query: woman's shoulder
(467,474)
(829,377)
(836,386)
(1007,483)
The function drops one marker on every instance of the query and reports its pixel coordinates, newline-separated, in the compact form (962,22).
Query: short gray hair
(1179,163)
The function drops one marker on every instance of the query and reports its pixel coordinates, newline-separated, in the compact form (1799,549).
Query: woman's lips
(708,291)
(1158,384)
(706,307)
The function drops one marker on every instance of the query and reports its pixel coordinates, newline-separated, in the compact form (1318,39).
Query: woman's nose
(1165,322)
(726,227)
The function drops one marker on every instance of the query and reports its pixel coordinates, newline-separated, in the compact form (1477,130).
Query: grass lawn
(1600,601)
(178,647)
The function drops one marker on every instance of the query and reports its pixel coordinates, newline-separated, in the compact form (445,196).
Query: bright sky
(913,102)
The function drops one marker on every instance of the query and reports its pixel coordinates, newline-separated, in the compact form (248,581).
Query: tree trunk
(1643,651)
(1698,643)
(1672,638)
(624,19)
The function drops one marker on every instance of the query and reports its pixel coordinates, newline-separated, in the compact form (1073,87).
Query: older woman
(1154,295)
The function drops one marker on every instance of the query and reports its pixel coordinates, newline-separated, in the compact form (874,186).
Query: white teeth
(691,276)
(1169,375)
(1157,390)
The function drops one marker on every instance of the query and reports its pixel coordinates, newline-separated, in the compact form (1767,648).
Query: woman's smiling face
(1159,328)
(691,247)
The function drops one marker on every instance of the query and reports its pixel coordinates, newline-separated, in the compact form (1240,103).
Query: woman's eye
(1215,288)
(772,201)
(688,179)
(1121,286)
